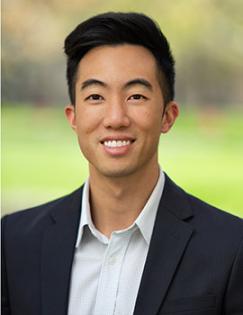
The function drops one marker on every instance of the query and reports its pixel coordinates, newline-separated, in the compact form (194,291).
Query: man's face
(119,111)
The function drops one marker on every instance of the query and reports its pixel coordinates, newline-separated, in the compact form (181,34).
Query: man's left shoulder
(215,224)
(208,213)
(202,215)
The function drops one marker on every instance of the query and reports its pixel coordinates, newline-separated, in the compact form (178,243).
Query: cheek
(149,120)
(88,120)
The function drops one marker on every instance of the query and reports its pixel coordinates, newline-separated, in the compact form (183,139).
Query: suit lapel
(57,254)
(168,243)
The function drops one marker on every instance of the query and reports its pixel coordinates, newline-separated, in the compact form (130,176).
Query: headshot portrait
(125,235)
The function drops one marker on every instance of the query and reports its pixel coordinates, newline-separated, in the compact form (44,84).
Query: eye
(137,97)
(94,98)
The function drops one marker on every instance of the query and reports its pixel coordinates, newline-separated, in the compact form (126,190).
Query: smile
(117,143)
(118,147)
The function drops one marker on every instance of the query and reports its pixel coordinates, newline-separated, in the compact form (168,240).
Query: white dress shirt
(106,272)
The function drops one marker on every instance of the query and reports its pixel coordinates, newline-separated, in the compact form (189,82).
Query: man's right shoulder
(38,215)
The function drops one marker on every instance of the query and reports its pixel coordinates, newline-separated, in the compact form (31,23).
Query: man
(129,241)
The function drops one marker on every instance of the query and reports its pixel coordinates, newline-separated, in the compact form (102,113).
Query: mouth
(118,146)
(117,143)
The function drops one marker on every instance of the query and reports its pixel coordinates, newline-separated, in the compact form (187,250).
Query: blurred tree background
(203,153)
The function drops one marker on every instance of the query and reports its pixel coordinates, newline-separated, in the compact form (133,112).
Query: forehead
(122,61)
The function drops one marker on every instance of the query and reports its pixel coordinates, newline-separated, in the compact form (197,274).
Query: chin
(116,172)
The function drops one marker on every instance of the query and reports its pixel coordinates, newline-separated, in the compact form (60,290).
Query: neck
(116,202)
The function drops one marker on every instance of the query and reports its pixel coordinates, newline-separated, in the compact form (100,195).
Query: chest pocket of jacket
(198,305)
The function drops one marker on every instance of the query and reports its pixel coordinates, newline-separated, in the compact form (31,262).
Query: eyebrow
(90,82)
(137,81)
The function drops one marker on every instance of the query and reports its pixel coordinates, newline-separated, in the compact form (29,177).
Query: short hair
(114,28)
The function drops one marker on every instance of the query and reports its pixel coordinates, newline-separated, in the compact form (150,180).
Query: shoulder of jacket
(40,212)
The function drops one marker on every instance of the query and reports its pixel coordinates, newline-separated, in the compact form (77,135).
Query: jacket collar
(170,237)
(58,247)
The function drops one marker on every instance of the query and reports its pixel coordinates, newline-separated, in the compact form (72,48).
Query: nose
(116,115)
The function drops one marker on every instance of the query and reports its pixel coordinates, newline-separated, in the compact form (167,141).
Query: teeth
(116,143)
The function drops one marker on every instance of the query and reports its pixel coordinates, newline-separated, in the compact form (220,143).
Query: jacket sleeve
(234,293)
(5,307)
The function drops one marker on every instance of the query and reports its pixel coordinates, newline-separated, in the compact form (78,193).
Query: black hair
(114,28)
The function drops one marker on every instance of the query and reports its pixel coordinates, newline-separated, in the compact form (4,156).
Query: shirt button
(112,260)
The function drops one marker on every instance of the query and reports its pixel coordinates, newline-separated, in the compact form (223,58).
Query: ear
(170,114)
(71,116)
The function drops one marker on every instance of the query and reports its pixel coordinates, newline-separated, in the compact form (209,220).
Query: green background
(42,161)
(203,153)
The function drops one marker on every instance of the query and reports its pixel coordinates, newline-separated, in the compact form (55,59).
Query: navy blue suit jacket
(194,264)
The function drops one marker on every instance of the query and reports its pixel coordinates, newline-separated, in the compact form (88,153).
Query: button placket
(110,274)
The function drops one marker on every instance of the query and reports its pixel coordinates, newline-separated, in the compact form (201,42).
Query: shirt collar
(145,220)
(85,218)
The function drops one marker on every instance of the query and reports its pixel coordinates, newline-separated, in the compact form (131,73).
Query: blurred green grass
(41,159)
